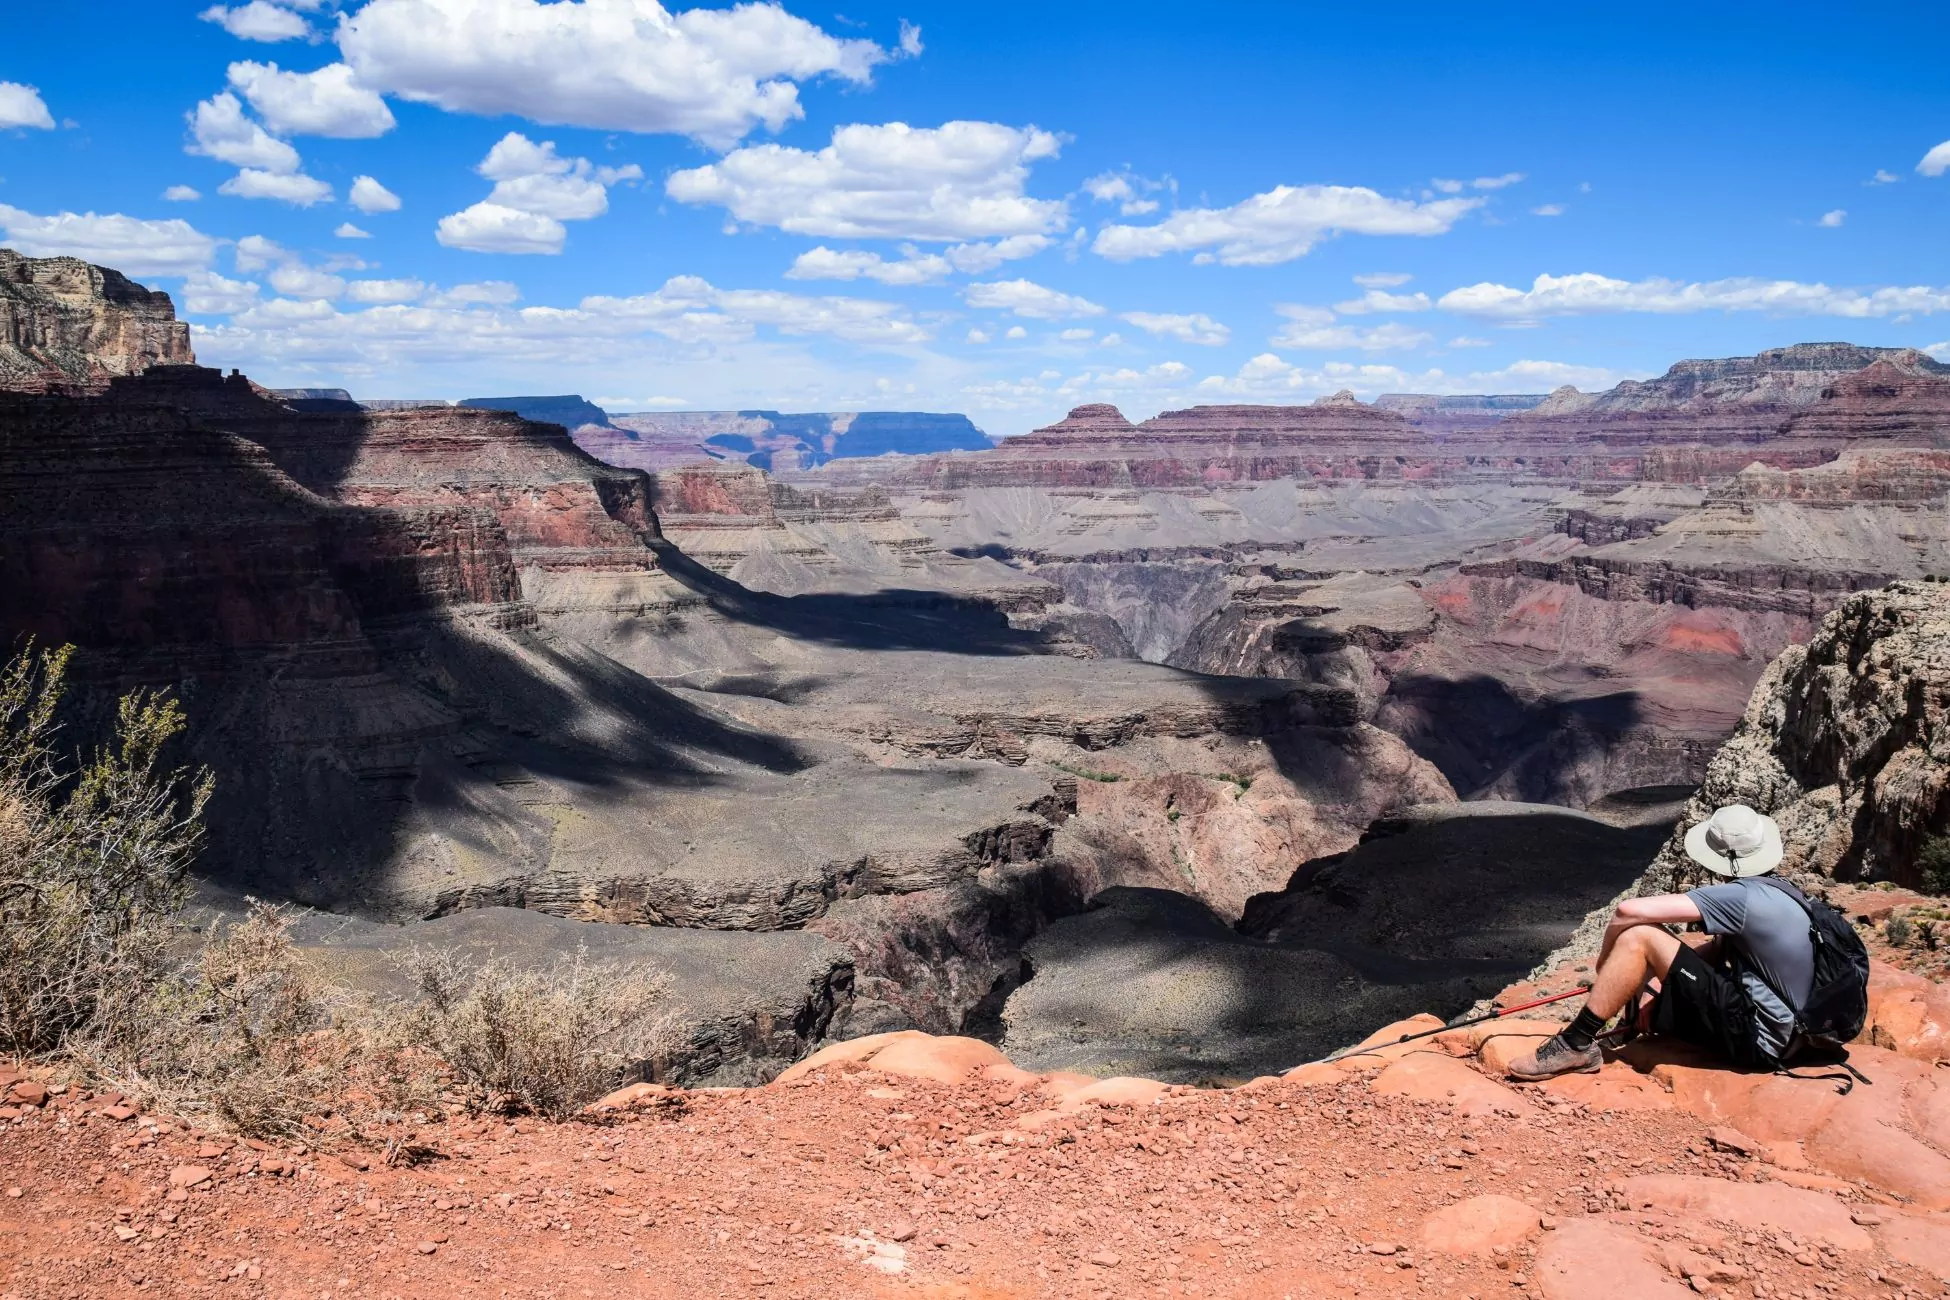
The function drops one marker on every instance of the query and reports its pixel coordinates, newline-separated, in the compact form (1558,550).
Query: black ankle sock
(1581,1031)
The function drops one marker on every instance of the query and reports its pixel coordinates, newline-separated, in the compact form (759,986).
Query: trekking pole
(1454,1024)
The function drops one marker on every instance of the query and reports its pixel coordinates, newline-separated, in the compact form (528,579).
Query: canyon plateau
(1169,748)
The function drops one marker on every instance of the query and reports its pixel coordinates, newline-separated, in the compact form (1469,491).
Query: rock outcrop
(1777,379)
(1846,741)
(71,327)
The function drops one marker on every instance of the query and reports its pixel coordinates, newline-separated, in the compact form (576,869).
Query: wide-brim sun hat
(1736,841)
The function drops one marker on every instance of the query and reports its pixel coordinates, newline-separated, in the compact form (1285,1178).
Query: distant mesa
(1096,418)
(317,399)
(775,440)
(570,410)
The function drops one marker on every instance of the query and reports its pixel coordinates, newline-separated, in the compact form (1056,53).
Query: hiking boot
(1557,1057)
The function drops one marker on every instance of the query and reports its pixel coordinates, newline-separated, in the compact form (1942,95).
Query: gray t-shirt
(1770,929)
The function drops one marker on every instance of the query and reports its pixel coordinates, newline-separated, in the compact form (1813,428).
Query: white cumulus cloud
(1833,218)
(625,65)
(1590,294)
(205,293)
(378,291)
(914,266)
(128,244)
(1280,225)
(326,102)
(221,130)
(976,258)
(1027,298)
(1127,190)
(257,21)
(296,280)
(346,230)
(1936,161)
(1382,279)
(1193,327)
(535,190)
(1548,210)
(492,228)
(1496,182)
(1380,300)
(368,195)
(181,194)
(688,307)
(825,263)
(1269,376)
(957,181)
(1076,334)
(23,106)
(294,188)
(1314,337)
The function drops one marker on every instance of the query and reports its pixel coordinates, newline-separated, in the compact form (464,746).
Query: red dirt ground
(793,1191)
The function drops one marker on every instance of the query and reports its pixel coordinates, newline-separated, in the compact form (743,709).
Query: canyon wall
(1550,598)
(443,661)
(68,326)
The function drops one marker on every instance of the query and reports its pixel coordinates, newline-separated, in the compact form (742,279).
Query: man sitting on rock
(1737,994)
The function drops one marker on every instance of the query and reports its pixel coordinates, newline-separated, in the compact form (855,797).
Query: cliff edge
(66,325)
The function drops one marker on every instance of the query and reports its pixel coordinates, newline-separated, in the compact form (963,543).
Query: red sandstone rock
(1805,1214)
(1480,1225)
(1588,1258)
(1919,1242)
(1433,1076)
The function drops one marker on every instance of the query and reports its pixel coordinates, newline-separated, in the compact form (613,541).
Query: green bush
(1933,865)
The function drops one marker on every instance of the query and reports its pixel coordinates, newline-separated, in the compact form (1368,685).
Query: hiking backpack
(1838,1000)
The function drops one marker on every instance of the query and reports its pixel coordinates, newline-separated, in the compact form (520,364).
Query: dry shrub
(239,1036)
(92,860)
(548,1040)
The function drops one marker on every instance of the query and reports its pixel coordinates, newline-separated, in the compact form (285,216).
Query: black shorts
(1705,1004)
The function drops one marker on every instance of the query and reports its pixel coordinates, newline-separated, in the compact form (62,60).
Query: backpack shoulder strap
(1846,1073)
(1787,887)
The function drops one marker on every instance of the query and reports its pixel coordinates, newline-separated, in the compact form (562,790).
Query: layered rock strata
(68,326)
(1846,741)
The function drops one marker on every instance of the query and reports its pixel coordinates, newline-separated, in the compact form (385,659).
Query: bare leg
(1640,953)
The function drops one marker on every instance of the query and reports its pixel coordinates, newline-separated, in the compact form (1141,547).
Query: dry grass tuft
(549,1040)
(241,1033)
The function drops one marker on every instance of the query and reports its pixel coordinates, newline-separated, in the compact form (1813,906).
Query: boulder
(1919,1242)
(1479,1225)
(1434,1076)
(1586,1258)
(1773,1205)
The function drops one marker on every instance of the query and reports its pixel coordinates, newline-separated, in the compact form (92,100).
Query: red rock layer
(559,507)
(1345,440)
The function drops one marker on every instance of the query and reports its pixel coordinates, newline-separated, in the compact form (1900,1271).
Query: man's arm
(1660,909)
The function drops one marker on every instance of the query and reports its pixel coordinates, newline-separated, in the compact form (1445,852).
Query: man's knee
(1650,944)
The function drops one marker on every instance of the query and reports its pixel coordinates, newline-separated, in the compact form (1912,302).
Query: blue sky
(1004,209)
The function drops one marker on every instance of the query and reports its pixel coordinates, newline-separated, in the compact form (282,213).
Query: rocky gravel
(911,1165)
